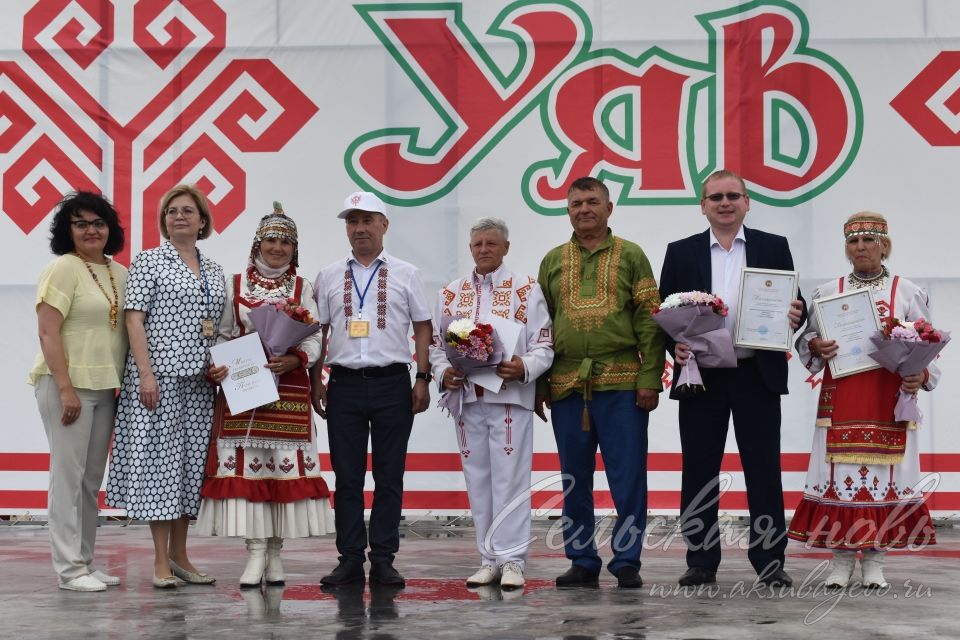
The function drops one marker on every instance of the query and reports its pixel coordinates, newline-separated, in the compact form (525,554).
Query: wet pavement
(436,605)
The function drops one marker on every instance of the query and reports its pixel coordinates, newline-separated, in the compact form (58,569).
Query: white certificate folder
(249,384)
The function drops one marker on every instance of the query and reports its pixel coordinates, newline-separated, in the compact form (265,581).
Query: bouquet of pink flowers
(468,346)
(696,318)
(471,341)
(906,348)
(281,325)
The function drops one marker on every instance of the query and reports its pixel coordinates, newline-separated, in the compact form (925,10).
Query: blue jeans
(619,427)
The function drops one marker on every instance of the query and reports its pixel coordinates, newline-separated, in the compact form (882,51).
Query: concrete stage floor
(436,605)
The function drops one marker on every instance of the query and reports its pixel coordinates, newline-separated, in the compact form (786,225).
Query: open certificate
(765,298)
(851,319)
(249,384)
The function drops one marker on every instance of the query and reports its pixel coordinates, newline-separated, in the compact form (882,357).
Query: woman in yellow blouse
(83,343)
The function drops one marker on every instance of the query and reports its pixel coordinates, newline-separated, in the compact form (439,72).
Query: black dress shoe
(778,578)
(347,572)
(695,576)
(577,576)
(628,578)
(384,573)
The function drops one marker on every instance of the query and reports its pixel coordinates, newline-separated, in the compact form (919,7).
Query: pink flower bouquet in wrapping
(469,346)
(282,325)
(696,318)
(906,348)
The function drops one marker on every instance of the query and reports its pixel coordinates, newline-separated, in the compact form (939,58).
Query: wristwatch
(424,375)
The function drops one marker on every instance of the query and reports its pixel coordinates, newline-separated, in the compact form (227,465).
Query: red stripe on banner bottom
(789,462)
(544,500)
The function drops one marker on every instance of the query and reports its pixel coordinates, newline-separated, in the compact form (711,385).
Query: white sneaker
(512,577)
(110,581)
(83,583)
(488,574)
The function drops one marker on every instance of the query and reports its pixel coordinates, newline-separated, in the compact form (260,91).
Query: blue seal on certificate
(856,350)
(763,330)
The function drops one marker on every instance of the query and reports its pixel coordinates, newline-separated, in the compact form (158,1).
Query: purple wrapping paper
(906,359)
(278,331)
(700,327)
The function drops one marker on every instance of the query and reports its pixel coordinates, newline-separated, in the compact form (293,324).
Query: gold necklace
(115,304)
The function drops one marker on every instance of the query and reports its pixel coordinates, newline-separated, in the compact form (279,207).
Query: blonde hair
(200,200)
(718,175)
(886,243)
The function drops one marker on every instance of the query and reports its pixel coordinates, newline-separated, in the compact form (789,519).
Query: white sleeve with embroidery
(438,355)
(539,355)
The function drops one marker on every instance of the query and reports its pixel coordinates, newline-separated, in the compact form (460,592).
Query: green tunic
(601,304)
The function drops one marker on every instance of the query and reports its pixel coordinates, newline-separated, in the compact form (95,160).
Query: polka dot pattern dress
(158,457)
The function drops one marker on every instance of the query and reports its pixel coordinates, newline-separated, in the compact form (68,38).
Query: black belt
(394,369)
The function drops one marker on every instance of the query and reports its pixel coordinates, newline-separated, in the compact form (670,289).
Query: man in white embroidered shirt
(495,428)
(366,305)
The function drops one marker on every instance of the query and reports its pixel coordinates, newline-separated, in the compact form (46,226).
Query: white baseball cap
(362,201)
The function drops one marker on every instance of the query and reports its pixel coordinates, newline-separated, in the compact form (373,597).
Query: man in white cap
(367,302)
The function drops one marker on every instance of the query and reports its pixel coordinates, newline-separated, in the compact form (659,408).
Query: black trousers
(381,410)
(704,419)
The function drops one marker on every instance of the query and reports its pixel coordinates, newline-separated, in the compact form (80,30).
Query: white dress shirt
(393,300)
(725,267)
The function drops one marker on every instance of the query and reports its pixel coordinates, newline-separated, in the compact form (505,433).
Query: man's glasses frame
(732,196)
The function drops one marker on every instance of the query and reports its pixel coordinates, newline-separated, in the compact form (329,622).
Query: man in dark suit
(711,261)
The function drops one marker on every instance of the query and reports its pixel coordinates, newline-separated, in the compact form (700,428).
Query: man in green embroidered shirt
(605,379)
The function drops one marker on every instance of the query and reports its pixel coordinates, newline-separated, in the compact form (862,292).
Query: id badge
(359,329)
(206,327)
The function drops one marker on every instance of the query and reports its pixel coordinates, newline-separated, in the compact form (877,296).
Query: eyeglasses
(186,212)
(83,225)
(732,196)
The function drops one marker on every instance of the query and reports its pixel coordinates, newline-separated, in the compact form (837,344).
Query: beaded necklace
(878,281)
(115,303)
(262,288)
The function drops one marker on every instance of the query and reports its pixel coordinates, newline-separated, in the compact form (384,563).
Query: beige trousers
(78,457)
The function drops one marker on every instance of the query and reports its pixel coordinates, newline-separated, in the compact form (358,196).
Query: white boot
(841,568)
(256,561)
(872,568)
(274,575)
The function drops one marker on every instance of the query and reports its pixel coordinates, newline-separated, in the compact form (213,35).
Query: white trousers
(496,449)
(78,458)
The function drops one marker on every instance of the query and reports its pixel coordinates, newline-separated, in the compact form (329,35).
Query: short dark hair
(588,183)
(61,235)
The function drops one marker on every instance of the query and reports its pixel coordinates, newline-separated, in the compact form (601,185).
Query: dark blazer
(686,267)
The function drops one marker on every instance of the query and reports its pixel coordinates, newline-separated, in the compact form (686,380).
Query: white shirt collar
(493,276)
(716,243)
(382,258)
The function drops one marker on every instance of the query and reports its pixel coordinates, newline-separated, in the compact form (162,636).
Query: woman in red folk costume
(862,491)
(263,474)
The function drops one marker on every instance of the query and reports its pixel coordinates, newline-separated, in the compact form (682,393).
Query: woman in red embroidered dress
(863,490)
(263,474)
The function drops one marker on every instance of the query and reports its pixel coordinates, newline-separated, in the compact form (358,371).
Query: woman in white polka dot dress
(175,297)
(263,473)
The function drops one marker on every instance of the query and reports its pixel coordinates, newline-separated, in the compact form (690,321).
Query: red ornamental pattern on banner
(64,139)
(628,120)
